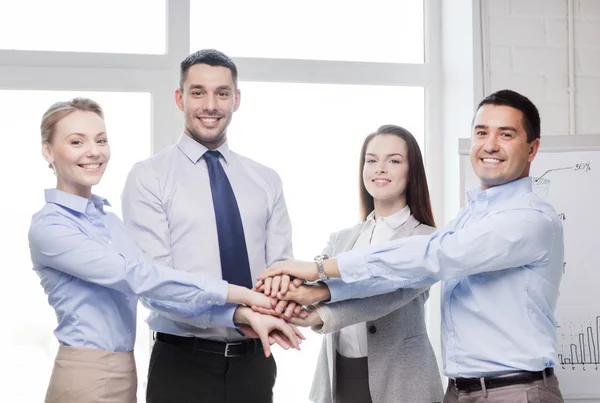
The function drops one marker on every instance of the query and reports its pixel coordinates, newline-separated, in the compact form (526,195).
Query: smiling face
(500,152)
(78,152)
(208,100)
(385,173)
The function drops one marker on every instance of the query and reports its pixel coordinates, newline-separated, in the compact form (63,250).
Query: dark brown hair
(212,57)
(417,191)
(531,115)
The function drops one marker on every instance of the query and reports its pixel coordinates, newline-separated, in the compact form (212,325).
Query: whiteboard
(566,172)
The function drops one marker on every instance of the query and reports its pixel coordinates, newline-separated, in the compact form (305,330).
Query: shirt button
(356,276)
(128,330)
(218,302)
(209,302)
(451,334)
(447,303)
(372,329)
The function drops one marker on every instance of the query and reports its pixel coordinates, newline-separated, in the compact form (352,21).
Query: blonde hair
(59,110)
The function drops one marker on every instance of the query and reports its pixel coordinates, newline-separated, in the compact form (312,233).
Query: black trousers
(183,375)
(352,380)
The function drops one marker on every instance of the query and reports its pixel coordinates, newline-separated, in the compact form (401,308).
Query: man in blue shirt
(500,263)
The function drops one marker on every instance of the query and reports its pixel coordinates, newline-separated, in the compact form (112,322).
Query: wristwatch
(320,268)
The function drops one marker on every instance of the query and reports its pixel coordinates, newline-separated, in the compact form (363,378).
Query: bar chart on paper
(579,344)
(566,173)
(568,180)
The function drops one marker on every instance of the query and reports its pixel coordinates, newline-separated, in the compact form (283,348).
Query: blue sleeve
(340,290)
(58,243)
(511,238)
(214,316)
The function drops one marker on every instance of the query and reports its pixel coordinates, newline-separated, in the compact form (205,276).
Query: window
(109,26)
(366,67)
(25,174)
(377,31)
(311,134)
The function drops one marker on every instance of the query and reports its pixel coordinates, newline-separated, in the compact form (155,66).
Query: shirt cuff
(216,290)
(222,316)
(352,265)
(338,290)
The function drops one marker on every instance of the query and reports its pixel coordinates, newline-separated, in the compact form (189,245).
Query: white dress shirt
(352,341)
(168,208)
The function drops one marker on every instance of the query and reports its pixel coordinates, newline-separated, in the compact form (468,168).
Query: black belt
(513,378)
(233,349)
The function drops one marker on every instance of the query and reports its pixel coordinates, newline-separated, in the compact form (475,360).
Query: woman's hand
(272,286)
(311,318)
(242,295)
(268,329)
(294,268)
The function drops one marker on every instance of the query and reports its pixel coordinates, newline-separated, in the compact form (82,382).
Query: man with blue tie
(500,263)
(201,207)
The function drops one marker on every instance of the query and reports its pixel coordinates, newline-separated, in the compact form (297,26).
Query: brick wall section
(527,51)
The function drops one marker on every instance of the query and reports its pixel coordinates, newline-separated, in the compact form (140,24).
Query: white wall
(526,50)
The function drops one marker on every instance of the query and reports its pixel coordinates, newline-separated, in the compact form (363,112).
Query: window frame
(158,75)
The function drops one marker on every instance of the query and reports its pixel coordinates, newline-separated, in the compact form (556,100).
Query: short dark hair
(212,57)
(531,115)
(417,191)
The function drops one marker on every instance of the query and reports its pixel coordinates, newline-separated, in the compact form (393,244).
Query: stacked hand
(269,329)
(290,297)
(293,268)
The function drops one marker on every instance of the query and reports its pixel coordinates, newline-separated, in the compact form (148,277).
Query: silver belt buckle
(227,345)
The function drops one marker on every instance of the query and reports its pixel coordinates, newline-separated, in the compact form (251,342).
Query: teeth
(381,181)
(209,120)
(90,166)
(493,160)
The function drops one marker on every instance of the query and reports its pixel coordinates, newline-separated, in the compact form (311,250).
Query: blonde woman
(93,272)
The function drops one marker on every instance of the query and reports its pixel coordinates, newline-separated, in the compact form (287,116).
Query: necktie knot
(210,154)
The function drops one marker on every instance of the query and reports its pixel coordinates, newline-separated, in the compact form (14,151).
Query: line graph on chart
(541,184)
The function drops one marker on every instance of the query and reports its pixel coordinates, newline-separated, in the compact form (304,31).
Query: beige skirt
(88,375)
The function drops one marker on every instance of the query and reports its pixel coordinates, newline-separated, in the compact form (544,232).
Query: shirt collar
(194,150)
(395,220)
(501,192)
(74,202)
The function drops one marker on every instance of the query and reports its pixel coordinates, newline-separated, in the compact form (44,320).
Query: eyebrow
(387,155)
(83,135)
(201,87)
(510,128)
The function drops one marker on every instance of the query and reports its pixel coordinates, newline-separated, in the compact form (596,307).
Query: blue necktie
(235,266)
